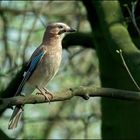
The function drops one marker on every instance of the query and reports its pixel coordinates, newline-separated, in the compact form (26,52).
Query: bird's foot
(45,93)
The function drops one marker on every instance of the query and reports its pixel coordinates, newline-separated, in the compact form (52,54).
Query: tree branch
(79,38)
(84,92)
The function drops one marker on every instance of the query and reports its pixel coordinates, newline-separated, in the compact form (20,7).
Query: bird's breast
(47,68)
(51,62)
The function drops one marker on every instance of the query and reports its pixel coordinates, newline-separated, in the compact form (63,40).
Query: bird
(42,66)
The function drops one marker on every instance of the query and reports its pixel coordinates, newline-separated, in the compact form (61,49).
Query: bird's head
(56,30)
(59,28)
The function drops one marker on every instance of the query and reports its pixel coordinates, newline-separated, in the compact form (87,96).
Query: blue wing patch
(35,61)
(30,70)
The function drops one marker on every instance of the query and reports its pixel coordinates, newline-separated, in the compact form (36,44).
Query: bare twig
(30,33)
(21,29)
(86,123)
(132,15)
(36,14)
(15,12)
(125,65)
(5,39)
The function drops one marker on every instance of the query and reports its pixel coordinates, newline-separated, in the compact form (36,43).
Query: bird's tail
(17,113)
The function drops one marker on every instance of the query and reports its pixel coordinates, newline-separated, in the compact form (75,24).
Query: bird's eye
(60,26)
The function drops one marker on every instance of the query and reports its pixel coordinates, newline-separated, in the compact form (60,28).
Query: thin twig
(21,29)
(126,67)
(86,124)
(5,39)
(132,15)
(30,33)
(36,14)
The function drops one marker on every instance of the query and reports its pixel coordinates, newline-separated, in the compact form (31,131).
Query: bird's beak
(71,30)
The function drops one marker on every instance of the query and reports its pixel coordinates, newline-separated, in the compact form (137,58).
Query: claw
(48,92)
(45,93)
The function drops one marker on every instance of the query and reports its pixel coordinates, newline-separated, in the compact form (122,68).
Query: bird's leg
(44,93)
(48,92)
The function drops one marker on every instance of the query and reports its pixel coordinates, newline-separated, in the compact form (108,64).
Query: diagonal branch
(84,92)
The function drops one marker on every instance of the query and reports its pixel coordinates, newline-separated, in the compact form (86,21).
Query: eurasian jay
(42,66)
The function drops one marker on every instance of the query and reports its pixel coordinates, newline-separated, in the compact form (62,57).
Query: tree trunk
(120,119)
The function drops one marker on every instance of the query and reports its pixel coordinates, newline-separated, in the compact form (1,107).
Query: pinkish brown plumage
(43,65)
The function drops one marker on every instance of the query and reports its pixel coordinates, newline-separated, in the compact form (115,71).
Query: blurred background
(89,59)
(22,26)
